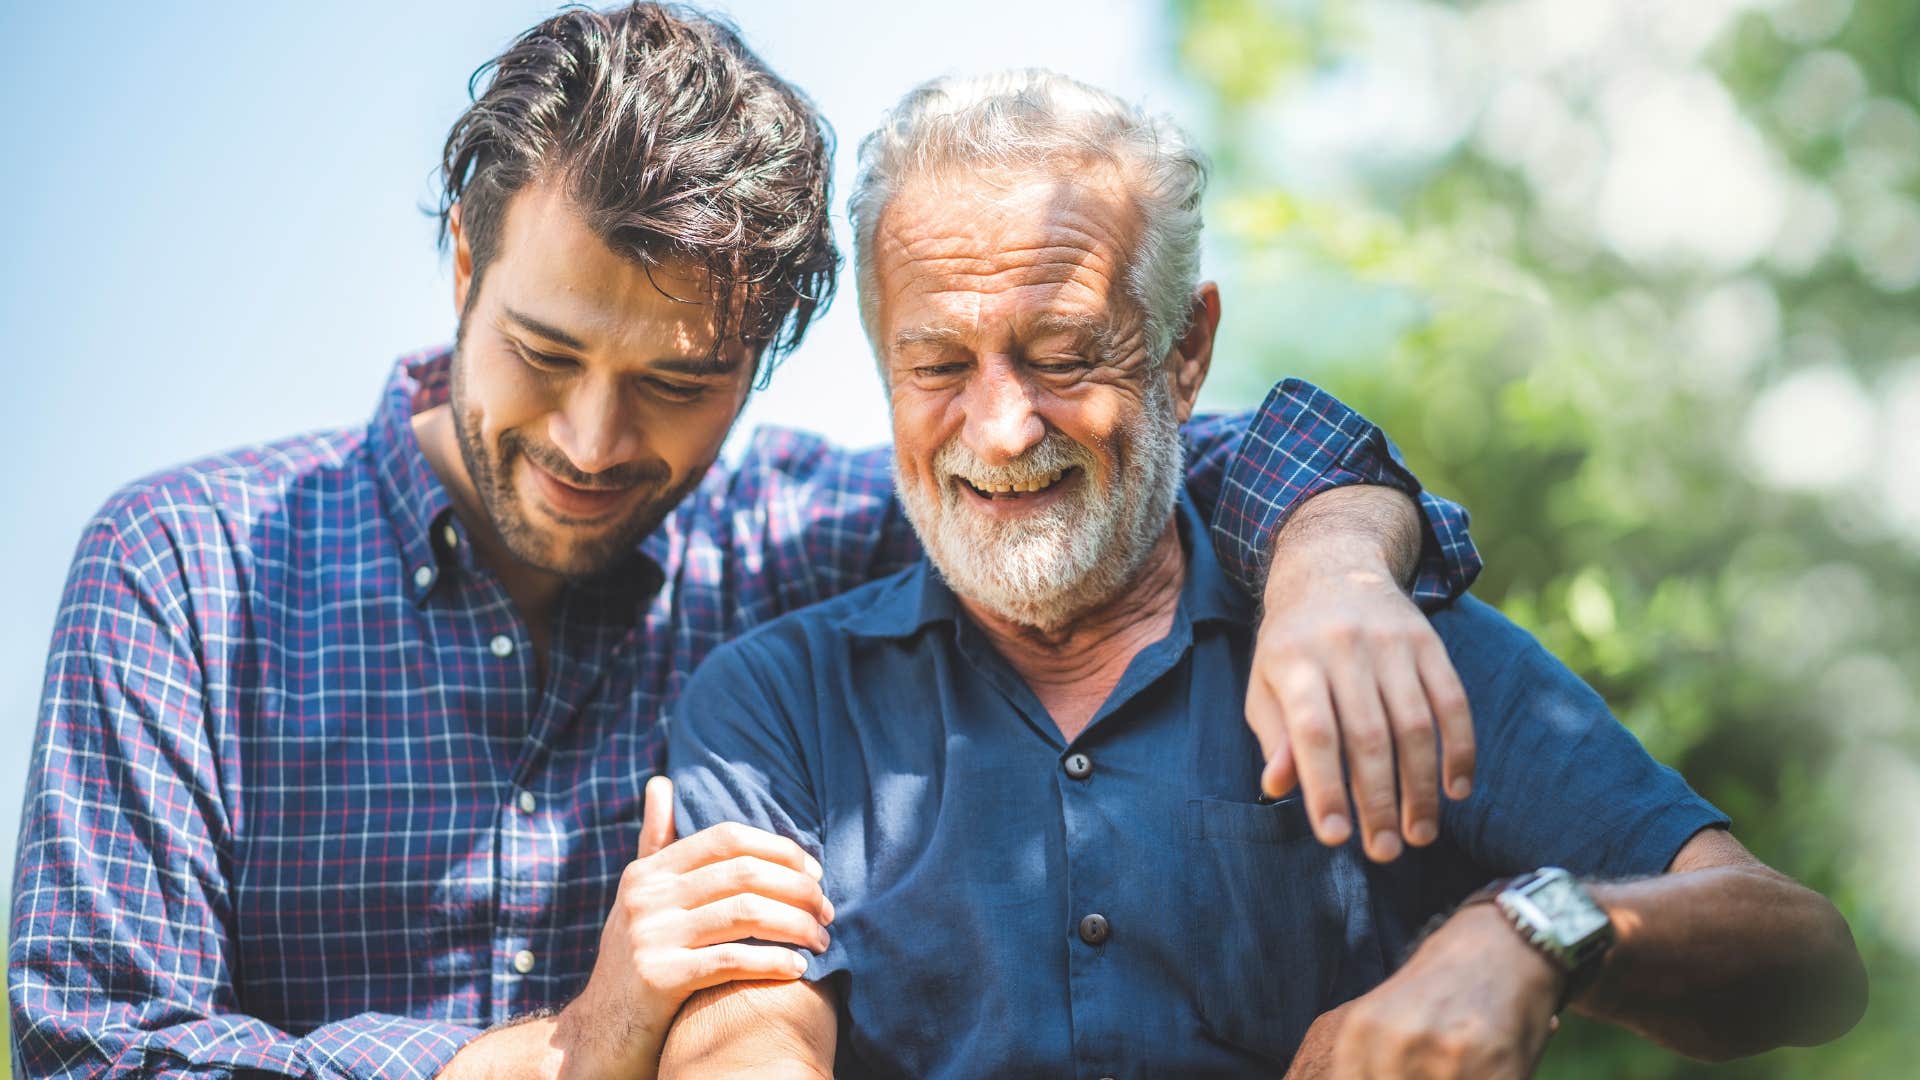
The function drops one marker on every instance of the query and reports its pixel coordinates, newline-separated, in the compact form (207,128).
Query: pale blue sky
(215,235)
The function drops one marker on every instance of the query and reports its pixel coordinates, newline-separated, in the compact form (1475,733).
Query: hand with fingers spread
(1347,669)
(677,927)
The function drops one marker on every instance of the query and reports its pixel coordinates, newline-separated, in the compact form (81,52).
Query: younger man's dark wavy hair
(675,142)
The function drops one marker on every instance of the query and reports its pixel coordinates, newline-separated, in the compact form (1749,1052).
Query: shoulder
(220,504)
(795,648)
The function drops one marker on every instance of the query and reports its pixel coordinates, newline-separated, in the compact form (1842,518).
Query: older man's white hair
(1036,119)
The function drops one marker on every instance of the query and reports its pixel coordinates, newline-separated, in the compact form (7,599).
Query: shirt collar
(417,503)
(920,597)
(432,539)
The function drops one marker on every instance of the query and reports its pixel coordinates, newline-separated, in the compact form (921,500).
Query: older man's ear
(1192,353)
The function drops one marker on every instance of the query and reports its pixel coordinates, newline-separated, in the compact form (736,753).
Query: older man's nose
(1002,422)
(592,428)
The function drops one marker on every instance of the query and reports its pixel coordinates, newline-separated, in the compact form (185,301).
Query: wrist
(588,1046)
(1297,569)
(1483,930)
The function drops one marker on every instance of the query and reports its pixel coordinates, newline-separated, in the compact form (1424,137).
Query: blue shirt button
(1094,929)
(1078,766)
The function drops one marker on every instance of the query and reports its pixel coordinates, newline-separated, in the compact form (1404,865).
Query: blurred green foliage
(1717,547)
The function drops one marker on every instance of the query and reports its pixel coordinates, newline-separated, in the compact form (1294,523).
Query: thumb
(656,819)
(1279,776)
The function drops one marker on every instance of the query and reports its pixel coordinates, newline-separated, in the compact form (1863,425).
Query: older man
(1021,762)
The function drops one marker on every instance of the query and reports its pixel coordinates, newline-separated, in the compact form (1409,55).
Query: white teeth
(1040,483)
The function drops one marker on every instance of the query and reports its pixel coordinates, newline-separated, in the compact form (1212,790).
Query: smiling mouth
(578,505)
(1020,489)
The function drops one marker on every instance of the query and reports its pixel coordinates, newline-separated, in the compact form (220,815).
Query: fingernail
(826,912)
(826,939)
(1460,788)
(1334,829)
(1421,833)
(1386,845)
(813,868)
(799,964)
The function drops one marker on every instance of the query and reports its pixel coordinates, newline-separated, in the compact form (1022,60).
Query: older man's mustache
(1039,468)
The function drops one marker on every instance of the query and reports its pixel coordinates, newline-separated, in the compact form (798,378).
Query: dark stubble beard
(595,551)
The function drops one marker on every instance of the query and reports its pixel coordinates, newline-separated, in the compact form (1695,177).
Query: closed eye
(676,392)
(544,362)
(937,370)
(1062,367)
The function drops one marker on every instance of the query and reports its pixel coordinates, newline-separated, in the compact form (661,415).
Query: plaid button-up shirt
(299,803)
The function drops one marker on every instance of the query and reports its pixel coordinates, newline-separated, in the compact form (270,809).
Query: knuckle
(1385,636)
(1413,724)
(1368,741)
(736,911)
(741,873)
(1313,732)
(652,972)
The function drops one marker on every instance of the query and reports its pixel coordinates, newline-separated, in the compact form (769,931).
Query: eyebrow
(927,335)
(1092,327)
(546,330)
(717,364)
(1096,330)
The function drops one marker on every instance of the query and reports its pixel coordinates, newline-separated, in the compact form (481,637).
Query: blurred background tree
(1628,279)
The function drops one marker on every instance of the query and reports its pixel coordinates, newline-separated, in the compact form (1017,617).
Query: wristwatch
(1555,914)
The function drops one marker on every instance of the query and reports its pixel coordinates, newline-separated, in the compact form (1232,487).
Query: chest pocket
(1279,927)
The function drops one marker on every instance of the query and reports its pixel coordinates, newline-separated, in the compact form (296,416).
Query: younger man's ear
(1192,353)
(462,260)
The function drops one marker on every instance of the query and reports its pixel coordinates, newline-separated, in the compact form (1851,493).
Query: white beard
(1047,568)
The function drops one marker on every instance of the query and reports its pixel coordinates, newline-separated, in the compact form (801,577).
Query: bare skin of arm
(1719,958)
(781,1031)
(1347,667)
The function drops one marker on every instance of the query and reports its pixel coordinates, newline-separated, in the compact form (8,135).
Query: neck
(532,590)
(1074,668)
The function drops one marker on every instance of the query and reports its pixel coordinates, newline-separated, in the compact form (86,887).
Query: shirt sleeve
(736,753)
(805,521)
(1252,474)
(122,909)
(1559,781)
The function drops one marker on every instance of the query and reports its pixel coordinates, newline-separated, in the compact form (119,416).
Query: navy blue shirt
(967,846)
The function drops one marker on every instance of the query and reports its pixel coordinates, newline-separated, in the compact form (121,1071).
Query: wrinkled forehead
(952,249)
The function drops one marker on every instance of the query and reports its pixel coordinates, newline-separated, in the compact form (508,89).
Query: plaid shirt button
(527,802)
(523,961)
(423,576)
(502,646)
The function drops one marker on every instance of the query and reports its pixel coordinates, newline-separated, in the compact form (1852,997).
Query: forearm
(1354,529)
(531,1047)
(1726,961)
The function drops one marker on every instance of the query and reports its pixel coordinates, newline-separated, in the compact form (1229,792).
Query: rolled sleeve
(1304,441)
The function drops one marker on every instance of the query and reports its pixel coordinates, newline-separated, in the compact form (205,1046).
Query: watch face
(1567,910)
